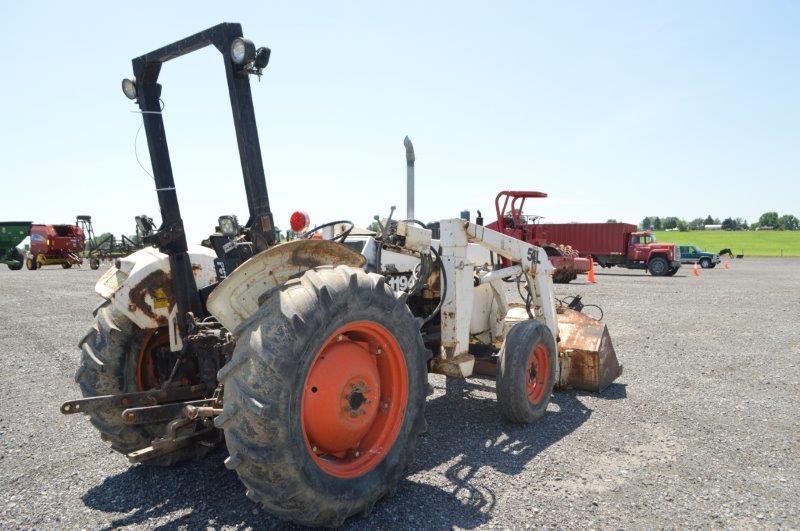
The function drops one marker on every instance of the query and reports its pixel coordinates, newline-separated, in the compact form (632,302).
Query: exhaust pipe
(409,177)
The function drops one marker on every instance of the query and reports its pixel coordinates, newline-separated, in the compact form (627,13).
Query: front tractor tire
(325,396)
(527,372)
(31,263)
(658,266)
(115,359)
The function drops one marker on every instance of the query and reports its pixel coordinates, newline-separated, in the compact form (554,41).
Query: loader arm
(456,235)
(534,263)
(587,359)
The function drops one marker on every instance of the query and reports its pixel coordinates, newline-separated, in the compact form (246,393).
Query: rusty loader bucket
(587,359)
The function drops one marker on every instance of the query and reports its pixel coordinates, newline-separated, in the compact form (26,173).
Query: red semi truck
(55,245)
(615,244)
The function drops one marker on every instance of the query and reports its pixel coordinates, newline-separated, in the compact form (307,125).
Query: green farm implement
(11,234)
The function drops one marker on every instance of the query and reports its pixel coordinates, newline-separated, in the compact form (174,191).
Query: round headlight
(129,88)
(242,50)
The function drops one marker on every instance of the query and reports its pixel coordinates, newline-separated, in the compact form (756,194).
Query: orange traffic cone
(726,265)
(590,275)
(696,270)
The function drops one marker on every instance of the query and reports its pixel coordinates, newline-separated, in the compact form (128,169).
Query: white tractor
(300,356)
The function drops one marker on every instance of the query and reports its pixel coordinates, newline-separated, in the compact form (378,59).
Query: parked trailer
(55,245)
(510,220)
(616,244)
(11,234)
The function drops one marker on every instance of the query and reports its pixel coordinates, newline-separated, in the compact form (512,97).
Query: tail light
(299,221)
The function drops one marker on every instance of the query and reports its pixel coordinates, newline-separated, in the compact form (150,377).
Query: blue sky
(616,109)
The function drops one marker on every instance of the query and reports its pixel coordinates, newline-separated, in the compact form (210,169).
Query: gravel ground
(701,430)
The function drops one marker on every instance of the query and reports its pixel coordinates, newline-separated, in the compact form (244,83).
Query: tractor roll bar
(171,237)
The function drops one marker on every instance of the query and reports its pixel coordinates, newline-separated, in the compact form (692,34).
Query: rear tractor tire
(527,372)
(114,361)
(658,266)
(325,396)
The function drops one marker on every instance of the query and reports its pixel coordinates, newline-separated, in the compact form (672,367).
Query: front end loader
(300,356)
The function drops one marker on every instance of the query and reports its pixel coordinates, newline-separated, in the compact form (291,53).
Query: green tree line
(768,220)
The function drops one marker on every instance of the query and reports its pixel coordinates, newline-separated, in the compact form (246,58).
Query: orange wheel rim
(537,374)
(146,376)
(354,399)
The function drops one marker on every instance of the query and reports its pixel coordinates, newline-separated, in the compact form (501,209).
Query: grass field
(748,243)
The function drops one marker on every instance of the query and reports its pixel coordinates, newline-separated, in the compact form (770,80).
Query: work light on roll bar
(243,51)
(129,88)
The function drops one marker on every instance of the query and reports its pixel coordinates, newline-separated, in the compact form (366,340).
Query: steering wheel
(340,238)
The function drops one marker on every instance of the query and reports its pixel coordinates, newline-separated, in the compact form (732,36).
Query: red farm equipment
(55,245)
(511,221)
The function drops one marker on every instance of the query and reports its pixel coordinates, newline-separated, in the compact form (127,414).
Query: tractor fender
(237,298)
(140,284)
